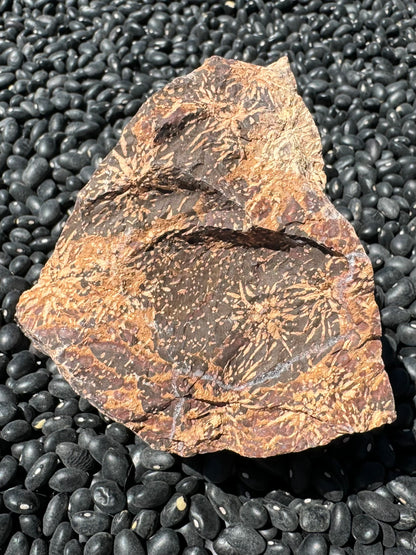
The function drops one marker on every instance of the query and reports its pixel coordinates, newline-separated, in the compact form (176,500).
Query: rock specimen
(204,290)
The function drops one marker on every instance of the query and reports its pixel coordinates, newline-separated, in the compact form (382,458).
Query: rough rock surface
(204,291)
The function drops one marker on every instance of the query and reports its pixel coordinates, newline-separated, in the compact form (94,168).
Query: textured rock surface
(204,291)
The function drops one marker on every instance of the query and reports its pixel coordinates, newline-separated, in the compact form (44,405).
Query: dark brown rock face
(204,291)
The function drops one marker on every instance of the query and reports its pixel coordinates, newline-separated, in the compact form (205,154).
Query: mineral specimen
(204,291)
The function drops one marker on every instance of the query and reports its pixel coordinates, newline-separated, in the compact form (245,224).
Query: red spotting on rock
(204,291)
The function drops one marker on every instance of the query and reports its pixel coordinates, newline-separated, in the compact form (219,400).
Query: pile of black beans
(72,74)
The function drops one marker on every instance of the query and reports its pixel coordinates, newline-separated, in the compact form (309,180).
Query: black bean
(253,514)
(49,213)
(43,244)
(406,333)
(404,489)
(7,395)
(21,364)
(402,263)
(39,421)
(115,466)
(32,450)
(20,265)
(33,203)
(27,222)
(171,478)
(222,547)
(388,535)
(89,523)
(42,401)
(24,408)
(292,539)
(36,171)
(74,456)
(80,500)
(85,436)
(329,486)
(17,430)
(61,536)
(72,160)
(8,305)
(46,146)
(8,469)
(365,529)
(108,497)
(147,496)
(6,526)
(126,542)
(11,338)
(58,387)
(18,545)
(119,433)
(68,479)
(99,544)
(121,521)
(4,359)
(388,207)
(14,282)
(31,383)
(314,518)
(404,539)
(407,518)
(164,542)
(340,526)
(226,506)
(39,547)
(85,420)
(47,189)
(313,544)
(284,518)
(73,547)
(82,129)
(15,248)
(6,79)
(145,523)
(20,501)
(11,130)
(30,526)
(8,411)
(409,190)
(402,293)
(156,460)
(242,539)
(402,244)
(190,535)
(67,408)
(386,277)
(100,444)
(54,513)
(33,273)
(203,517)
(60,436)
(188,485)
(41,471)
(156,58)
(174,511)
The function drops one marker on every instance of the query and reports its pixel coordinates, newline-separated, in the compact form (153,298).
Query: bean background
(72,74)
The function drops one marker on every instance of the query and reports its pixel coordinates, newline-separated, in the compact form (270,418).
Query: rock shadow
(349,464)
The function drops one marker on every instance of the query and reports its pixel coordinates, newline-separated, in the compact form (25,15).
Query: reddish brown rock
(204,291)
